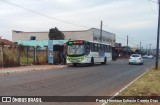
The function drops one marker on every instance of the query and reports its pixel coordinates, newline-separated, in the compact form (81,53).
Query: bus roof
(92,42)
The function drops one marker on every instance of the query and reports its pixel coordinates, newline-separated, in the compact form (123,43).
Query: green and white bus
(88,52)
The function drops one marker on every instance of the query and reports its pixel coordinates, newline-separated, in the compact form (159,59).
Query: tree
(55,34)
(137,51)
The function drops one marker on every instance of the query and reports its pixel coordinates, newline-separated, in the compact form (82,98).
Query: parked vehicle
(145,56)
(150,56)
(136,59)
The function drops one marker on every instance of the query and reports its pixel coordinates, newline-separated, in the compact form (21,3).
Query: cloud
(132,17)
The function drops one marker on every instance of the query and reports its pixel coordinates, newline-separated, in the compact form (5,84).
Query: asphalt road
(98,80)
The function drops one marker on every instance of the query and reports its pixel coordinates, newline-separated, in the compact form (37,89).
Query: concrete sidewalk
(29,68)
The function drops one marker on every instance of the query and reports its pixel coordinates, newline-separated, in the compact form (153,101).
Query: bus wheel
(74,64)
(105,61)
(92,62)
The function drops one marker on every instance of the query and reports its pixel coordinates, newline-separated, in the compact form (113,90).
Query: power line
(101,31)
(44,15)
(151,6)
(129,36)
(133,42)
(153,1)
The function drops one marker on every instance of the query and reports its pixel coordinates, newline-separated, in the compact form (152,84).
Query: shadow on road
(87,65)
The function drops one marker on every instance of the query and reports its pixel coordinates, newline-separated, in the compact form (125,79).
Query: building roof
(6,42)
(62,31)
(41,43)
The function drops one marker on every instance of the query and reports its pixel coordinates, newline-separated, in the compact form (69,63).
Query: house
(6,42)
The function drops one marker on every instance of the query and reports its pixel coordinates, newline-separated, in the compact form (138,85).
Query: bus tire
(92,62)
(105,61)
(74,64)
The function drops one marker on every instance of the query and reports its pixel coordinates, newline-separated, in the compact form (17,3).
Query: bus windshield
(76,49)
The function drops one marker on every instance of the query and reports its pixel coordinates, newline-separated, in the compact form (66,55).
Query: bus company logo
(6,99)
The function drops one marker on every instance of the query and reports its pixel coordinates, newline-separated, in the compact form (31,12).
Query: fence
(23,55)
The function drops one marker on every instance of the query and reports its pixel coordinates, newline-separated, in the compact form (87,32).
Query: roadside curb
(28,69)
(129,84)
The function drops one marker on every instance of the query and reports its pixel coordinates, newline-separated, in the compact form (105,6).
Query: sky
(136,18)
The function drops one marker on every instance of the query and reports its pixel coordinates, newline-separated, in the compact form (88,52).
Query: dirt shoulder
(147,85)
(29,68)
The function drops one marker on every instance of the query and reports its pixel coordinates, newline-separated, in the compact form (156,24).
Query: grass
(147,85)
(41,59)
(10,58)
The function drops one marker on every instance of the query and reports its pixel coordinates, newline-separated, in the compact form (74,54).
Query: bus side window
(105,48)
(102,49)
(109,48)
(92,47)
(88,47)
(99,46)
(96,47)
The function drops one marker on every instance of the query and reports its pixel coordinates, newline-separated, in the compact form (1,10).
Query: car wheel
(105,61)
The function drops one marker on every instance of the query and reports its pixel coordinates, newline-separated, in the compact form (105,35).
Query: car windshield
(135,55)
(76,49)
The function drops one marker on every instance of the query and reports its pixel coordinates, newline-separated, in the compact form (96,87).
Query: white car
(150,56)
(145,56)
(136,59)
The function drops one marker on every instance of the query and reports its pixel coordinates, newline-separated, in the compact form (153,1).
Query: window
(105,48)
(96,47)
(100,47)
(110,49)
(95,38)
(134,55)
(76,49)
(88,47)
(92,47)
(103,39)
(99,39)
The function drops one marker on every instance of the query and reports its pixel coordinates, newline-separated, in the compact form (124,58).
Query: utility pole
(150,48)
(140,47)
(101,32)
(146,50)
(127,47)
(157,51)
(1,52)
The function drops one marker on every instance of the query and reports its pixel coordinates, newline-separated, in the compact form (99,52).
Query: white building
(92,34)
